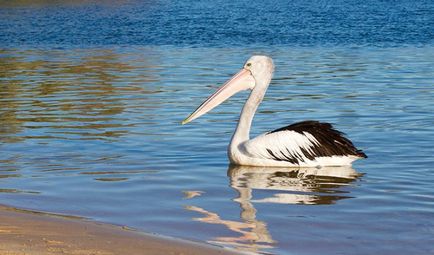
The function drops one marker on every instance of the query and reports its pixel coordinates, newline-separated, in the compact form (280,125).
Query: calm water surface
(94,131)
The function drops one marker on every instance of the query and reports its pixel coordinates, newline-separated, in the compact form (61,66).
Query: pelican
(302,144)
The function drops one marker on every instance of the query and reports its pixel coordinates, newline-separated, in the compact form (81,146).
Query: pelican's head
(257,71)
(260,67)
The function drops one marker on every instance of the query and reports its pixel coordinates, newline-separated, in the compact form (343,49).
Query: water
(81,23)
(90,124)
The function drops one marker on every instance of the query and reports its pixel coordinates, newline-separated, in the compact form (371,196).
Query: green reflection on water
(67,94)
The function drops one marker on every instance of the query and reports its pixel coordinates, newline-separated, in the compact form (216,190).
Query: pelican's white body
(254,152)
(287,148)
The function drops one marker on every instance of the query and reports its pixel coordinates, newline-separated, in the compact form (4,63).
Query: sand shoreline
(25,232)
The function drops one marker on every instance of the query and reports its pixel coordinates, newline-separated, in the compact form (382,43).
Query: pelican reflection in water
(309,186)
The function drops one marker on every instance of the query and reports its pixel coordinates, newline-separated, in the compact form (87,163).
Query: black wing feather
(331,141)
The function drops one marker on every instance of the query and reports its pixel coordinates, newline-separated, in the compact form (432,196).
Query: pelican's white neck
(242,132)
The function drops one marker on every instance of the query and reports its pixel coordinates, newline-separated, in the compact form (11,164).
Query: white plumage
(282,144)
(305,144)
(286,148)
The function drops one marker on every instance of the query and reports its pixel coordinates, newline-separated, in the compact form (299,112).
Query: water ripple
(106,122)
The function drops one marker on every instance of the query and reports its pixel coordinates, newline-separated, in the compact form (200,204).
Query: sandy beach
(25,232)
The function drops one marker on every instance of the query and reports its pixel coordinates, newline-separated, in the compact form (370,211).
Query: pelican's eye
(249,64)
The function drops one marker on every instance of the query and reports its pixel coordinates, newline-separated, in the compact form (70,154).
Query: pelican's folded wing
(301,142)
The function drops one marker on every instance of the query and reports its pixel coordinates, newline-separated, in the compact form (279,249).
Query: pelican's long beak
(243,80)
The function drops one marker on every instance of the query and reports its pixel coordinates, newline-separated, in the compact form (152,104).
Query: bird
(303,144)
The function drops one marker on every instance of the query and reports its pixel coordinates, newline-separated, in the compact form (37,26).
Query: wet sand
(32,233)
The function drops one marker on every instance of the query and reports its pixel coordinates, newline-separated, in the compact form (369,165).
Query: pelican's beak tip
(184,121)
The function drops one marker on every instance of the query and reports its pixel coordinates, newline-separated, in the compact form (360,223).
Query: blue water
(92,95)
(217,23)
